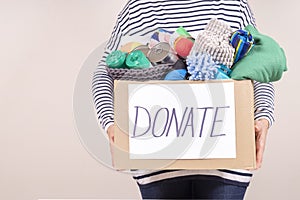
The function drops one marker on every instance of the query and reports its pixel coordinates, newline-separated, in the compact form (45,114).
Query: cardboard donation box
(184,125)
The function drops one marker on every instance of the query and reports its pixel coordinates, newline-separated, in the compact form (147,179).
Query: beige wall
(43,44)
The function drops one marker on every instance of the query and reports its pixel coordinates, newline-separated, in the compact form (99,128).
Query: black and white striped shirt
(143,17)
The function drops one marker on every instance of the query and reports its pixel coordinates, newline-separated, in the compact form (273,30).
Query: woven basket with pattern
(157,72)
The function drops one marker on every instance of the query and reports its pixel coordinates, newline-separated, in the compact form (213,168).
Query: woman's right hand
(111,133)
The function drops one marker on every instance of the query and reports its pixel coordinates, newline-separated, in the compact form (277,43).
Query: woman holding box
(143,17)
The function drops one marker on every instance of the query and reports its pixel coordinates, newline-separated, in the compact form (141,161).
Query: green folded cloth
(266,61)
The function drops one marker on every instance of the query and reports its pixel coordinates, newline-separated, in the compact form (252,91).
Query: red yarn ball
(183,46)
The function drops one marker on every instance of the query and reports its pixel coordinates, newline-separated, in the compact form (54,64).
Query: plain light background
(43,44)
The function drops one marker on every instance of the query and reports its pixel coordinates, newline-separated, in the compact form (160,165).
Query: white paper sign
(182,121)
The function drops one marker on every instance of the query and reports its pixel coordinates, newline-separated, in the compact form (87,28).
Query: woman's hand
(111,133)
(261,129)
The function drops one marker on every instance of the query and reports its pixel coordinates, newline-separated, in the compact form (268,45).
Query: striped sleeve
(102,85)
(264,93)
(264,101)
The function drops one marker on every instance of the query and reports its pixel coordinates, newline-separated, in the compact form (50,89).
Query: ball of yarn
(183,46)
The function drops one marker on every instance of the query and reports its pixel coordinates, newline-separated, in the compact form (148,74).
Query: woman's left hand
(261,129)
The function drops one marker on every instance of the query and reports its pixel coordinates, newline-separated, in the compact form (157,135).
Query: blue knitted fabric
(201,67)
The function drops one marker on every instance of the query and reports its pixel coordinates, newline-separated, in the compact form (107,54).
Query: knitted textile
(242,41)
(214,40)
(202,67)
(157,72)
(266,61)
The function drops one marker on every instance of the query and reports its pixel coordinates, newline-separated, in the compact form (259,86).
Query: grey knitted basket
(157,72)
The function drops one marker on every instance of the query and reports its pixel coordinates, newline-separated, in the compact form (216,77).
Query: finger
(259,157)
(257,126)
(260,148)
(113,138)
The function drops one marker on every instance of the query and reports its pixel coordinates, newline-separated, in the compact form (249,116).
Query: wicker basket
(157,72)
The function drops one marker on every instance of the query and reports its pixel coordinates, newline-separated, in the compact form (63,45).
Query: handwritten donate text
(187,121)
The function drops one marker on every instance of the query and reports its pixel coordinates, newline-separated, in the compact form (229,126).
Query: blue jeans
(192,188)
